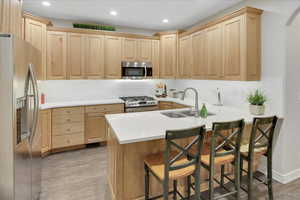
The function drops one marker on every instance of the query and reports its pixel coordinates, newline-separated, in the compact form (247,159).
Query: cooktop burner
(139,101)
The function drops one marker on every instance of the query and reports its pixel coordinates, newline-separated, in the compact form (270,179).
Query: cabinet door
(155,58)
(185,57)
(129,49)
(10,16)
(95,128)
(113,55)
(94,57)
(36,34)
(232,49)
(214,52)
(75,56)
(168,56)
(56,55)
(199,55)
(144,50)
(45,130)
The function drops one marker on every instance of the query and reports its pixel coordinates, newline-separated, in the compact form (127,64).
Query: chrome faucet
(196,100)
(219,98)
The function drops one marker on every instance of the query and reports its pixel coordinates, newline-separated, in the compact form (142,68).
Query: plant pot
(257,110)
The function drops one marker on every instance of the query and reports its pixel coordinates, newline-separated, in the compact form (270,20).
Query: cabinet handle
(68,129)
(68,120)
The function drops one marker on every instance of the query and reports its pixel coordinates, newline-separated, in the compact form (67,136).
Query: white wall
(73,90)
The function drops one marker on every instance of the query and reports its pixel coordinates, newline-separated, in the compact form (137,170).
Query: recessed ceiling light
(113,13)
(165,20)
(46,3)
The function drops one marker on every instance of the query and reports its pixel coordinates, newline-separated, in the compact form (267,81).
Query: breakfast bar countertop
(145,126)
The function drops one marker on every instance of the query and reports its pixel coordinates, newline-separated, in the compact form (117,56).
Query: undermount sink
(182,114)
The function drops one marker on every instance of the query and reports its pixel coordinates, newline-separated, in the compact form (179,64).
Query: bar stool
(177,163)
(260,143)
(220,155)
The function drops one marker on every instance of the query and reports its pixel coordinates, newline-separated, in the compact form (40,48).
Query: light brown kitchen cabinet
(214,52)
(94,56)
(75,56)
(10,17)
(129,49)
(67,127)
(185,57)
(167,105)
(168,56)
(113,56)
(56,55)
(199,55)
(95,123)
(144,50)
(45,129)
(155,58)
(36,34)
(233,48)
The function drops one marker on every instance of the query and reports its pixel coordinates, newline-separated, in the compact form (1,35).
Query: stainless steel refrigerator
(20,142)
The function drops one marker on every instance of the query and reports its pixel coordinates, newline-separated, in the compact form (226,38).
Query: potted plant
(257,100)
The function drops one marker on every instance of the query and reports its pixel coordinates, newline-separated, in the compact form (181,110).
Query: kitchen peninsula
(132,136)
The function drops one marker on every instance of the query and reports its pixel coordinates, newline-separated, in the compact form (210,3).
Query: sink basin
(182,114)
(173,114)
(191,113)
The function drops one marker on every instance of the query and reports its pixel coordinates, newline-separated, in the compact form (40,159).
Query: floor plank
(81,174)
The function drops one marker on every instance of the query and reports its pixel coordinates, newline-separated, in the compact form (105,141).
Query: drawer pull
(68,120)
(68,129)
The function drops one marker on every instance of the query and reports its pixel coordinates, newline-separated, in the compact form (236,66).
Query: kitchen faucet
(219,98)
(196,99)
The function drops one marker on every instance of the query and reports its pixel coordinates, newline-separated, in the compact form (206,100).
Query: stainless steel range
(140,103)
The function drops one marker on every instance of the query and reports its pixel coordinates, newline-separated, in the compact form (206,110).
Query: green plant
(257,98)
(94,27)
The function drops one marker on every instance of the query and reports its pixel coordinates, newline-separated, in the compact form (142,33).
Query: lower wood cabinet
(95,122)
(95,127)
(67,127)
(45,129)
(167,105)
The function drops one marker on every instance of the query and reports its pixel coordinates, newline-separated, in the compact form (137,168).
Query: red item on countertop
(42,98)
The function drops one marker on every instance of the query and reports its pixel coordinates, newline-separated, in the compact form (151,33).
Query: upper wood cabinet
(214,52)
(144,50)
(155,58)
(11,17)
(129,49)
(36,34)
(113,56)
(94,56)
(185,57)
(168,56)
(199,49)
(56,55)
(75,56)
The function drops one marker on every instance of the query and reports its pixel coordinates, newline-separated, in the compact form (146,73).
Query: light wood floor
(81,175)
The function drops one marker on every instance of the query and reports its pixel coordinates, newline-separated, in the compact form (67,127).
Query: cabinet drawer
(68,128)
(67,140)
(67,111)
(105,108)
(63,119)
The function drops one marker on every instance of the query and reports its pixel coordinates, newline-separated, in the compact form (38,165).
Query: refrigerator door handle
(36,102)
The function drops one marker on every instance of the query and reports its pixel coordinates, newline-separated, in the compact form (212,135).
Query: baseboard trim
(284,178)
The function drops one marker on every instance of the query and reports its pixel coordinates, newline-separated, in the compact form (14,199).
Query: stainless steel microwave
(136,70)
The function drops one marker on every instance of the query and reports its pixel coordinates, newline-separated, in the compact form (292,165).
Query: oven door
(136,72)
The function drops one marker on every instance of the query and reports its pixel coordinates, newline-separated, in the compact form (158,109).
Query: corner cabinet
(168,56)
(56,55)
(36,34)
(112,57)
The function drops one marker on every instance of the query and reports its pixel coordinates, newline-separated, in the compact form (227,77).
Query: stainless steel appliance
(20,142)
(136,70)
(140,103)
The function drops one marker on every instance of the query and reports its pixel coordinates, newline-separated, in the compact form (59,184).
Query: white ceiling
(145,14)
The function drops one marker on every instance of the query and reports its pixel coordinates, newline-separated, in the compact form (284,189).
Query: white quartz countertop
(80,103)
(144,126)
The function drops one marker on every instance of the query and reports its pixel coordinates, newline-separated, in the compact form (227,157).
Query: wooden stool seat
(218,160)
(156,164)
(258,151)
